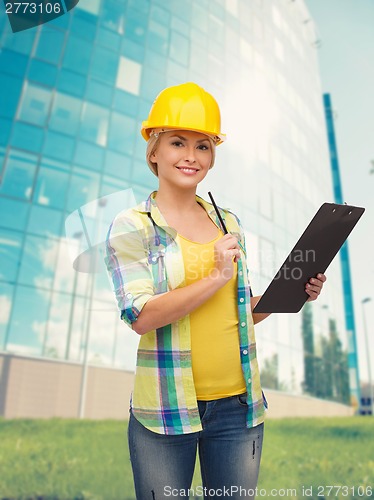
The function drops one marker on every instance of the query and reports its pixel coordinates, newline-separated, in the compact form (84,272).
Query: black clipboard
(311,255)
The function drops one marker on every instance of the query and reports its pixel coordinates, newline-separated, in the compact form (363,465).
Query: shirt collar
(150,207)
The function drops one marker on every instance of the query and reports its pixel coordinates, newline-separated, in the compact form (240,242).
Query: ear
(153,157)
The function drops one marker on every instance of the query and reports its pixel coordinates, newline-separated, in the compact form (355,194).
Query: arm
(166,308)
(257,317)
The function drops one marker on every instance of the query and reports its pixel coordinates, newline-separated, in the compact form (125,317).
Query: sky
(346,56)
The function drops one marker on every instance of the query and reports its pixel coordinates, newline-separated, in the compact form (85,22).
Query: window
(158,37)
(31,308)
(126,103)
(10,91)
(13,62)
(109,39)
(232,7)
(267,258)
(180,26)
(132,50)
(77,55)
(35,105)
(142,175)
(91,6)
(65,114)
(23,42)
(184,13)
(51,184)
(179,48)
(113,15)
(199,18)
(57,326)
(104,65)
(42,72)
(89,155)
(58,146)
(83,187)
(279,51)
(27,136)
(112,185)
(94,123)
(152,83)
(83,24)
(50,45)
(122,131)
(13,213)
(118,165)
(19,175)
(5,126)
(71,82)
(10,251)
(141,5)
(6,296)
(129,75)
(136,27)
(38,262)
(45,221)
(99,92)
(160,15)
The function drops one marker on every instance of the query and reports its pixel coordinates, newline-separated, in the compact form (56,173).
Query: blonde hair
(153,143)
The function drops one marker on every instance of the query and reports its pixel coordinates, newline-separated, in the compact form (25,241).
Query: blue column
(354,378)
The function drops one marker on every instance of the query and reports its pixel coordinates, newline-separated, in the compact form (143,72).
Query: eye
(178,144)
(203,147)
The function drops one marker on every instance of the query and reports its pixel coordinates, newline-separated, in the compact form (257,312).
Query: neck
(176,201)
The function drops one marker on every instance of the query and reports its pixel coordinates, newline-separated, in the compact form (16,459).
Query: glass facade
(74,93)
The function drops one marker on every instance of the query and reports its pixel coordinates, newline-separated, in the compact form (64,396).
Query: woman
(182,285)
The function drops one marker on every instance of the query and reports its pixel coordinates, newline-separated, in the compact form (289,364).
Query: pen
(220,218)
(217,212)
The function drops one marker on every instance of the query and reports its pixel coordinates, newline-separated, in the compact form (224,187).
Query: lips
(188,170)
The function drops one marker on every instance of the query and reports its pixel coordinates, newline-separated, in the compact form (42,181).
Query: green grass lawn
(72,459)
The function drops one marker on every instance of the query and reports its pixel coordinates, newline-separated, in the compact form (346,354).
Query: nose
(190,154)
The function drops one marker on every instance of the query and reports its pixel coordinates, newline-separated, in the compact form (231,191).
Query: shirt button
(245,351)
(128,295)
(242,323)
(241,299)
(241,273)
(154,259)
(249,380)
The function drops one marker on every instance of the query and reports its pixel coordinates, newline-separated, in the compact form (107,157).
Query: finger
(313,288)
(321,277)
(231,253)
(230,244)
(312,295)
(316,282)
(229,237)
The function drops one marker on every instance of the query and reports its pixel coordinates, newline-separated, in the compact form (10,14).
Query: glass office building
(73,95)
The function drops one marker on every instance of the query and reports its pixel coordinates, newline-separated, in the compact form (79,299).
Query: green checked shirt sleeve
(127,262)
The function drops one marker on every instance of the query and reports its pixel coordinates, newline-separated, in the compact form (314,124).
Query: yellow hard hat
(185,107)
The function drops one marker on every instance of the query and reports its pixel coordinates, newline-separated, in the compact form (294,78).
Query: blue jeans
(230,454)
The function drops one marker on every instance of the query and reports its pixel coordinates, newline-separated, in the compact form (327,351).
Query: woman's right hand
(226,252)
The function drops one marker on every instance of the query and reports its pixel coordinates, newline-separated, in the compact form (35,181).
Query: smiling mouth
(188,169)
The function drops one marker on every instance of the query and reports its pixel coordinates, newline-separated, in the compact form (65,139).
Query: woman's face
(183,157)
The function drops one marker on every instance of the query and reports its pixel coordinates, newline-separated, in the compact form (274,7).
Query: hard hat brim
(146,132)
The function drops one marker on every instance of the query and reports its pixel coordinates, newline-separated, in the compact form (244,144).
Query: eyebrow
(185,139)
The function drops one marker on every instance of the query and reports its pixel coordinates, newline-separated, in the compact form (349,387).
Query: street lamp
(371,391)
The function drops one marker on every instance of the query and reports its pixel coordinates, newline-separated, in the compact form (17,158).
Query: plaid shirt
(144,259)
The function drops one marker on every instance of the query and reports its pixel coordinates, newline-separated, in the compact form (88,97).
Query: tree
(308,346)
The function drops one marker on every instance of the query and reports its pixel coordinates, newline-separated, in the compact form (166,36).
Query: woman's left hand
(314,286)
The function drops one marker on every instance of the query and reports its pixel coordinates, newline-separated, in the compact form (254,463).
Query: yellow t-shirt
(215,348)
